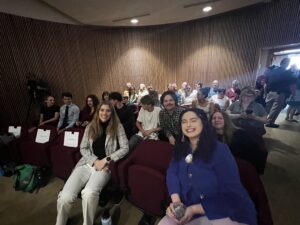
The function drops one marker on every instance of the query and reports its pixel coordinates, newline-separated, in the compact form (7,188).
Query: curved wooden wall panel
(88,59)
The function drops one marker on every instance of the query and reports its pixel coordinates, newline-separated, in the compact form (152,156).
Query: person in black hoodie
(124,113)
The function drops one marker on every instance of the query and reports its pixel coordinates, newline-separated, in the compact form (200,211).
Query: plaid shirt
(170,122)
(111,147)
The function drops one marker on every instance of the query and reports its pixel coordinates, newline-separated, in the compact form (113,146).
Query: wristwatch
(108,159)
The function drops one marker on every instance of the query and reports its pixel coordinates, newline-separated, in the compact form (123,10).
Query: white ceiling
(119,12)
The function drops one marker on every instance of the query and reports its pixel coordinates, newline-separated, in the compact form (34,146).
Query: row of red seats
(141,174)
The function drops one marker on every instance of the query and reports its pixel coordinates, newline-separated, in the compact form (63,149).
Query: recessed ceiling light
(134,21)
(207,9)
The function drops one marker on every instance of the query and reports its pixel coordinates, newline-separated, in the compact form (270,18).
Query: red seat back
(143,174)
(254,186)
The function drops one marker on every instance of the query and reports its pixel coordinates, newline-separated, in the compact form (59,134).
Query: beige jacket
(86,149)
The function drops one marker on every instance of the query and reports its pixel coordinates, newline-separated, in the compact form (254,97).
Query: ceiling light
(207,9)
(134,21)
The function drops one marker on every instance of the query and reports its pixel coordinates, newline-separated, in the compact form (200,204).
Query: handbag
(29,178)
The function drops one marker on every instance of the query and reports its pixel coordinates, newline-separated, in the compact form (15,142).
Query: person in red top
(87,113)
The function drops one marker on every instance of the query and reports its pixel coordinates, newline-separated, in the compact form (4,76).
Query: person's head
(49,100)
(169,100)
(115,98)
(184,85)
(105,113)
(125,99)
(247,95)
(105,96)
(223,125)
(202,93)
(147,102)
(188,89)
(221,93)
(67,98)
(142,87)
(198,85)
(195,126)
(174,86)
(170,87)
(91,102)
(150,88)
(154,95)
(128,85)
(284,63)
(235,84)
(215,84)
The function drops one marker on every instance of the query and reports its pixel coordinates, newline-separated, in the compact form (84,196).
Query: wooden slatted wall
(85,59)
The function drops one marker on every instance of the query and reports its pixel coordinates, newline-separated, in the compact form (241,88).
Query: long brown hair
(96,130)
(229,127)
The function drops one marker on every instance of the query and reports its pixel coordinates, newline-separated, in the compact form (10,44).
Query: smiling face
(169,103)
(104,113)
(191,125)
(218,121)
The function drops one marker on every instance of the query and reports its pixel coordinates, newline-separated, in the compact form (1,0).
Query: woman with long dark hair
(104,140)
(203,179)
(87,113)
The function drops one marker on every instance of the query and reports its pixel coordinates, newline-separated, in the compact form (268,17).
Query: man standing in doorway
(280,85)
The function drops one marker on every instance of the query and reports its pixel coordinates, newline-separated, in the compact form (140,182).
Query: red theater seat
(254,186)
(64,159)
(14,145)
(143,174)
(37,153)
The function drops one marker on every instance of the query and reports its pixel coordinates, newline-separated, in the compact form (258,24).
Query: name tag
(16,131)
(42,136)
(71,139)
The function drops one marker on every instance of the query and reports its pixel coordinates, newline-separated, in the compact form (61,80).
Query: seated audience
(124,113)
(142,92)
(260,90)
(242,144)
(154,95)
(231,92)
(169,116)
(49,112)
(147,122)
(214,88)
(247,113)
(125,100)
(173,88)
(105,96)
(69,113)
(104,140)
(86,115)
(203,179)
(221,99)
(198,86)
(128,89)
(202,102)
(188,97)
(133,97)
(182,91)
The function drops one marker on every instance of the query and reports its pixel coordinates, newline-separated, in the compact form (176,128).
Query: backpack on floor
(28,178)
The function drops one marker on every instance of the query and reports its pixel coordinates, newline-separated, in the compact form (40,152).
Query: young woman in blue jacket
(203,179)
